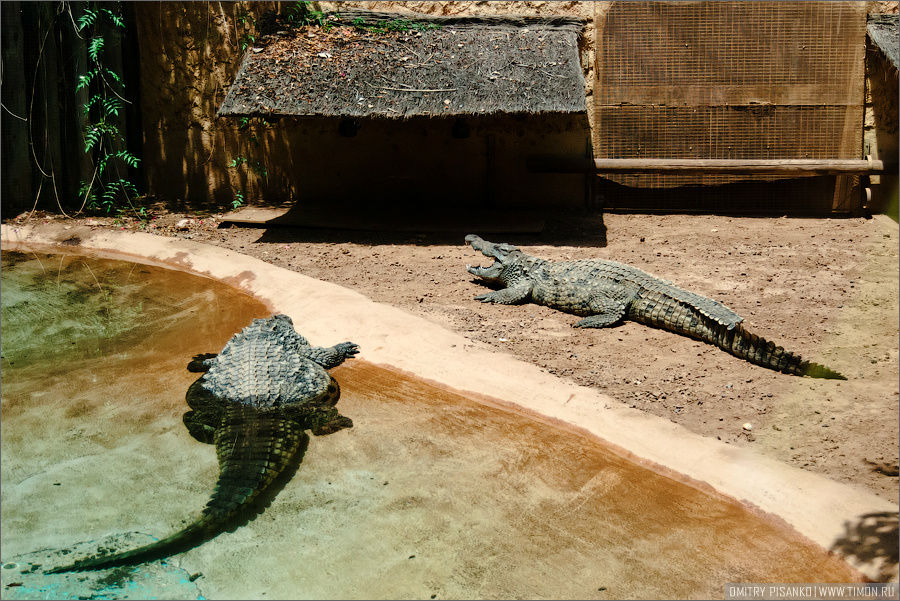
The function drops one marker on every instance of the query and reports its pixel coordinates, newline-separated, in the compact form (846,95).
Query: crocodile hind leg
(201,426)
(328,421)
(606,312)
(320,415)
(206,414)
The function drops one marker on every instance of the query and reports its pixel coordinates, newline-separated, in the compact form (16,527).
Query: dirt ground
(826,288)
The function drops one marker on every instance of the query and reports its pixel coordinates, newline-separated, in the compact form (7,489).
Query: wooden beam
(787,167)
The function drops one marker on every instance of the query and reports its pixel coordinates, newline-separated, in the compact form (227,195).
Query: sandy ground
(827,288)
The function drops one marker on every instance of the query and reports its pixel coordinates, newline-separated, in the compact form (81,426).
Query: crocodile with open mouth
(606,293)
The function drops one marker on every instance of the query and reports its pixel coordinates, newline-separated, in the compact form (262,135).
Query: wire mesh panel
(729,80)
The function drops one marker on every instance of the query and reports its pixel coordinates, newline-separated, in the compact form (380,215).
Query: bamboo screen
(729,80)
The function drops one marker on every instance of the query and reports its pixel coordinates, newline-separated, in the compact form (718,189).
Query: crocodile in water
(606,293)
(255,401)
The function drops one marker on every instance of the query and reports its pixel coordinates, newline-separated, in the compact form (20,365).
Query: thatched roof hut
(882,30)
(389,65)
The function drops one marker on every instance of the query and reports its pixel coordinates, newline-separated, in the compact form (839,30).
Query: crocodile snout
(475,241)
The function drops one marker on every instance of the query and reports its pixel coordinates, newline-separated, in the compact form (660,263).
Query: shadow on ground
(373,225)
(873,539)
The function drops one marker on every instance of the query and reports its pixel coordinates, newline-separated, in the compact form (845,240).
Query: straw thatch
(362,66)
(882,30)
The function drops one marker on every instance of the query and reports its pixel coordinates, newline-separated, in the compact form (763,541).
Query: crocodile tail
(254,448)
(760,351)
(178,542)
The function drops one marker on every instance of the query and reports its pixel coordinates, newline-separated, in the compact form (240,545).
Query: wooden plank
(788,167)
(749,95)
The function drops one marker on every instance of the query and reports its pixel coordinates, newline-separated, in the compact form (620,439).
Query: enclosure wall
(190,52)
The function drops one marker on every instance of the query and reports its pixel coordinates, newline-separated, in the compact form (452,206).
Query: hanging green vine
(109,190)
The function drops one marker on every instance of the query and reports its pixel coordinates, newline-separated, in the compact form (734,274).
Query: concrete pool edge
(816,507)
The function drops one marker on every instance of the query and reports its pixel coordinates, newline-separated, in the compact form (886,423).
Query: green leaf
(238,199)
(114,17)
(91,102)
(128,158)
(94,48)
(111,106)
(91,138)
(112,74)
(87,19)
(246,40)
(259,169)
(84,80)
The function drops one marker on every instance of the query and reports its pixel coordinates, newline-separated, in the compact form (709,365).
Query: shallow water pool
(432,493)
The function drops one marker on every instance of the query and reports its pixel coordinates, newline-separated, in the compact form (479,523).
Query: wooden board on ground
(492,221)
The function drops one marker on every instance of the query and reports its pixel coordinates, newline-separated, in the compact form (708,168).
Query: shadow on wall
(872,539)
(807,196)
(190,52)
(452,162)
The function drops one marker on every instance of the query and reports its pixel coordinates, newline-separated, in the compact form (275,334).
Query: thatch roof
(882,31)
(370,64)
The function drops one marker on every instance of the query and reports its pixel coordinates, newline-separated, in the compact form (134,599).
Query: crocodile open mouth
(485,272)
(488,249)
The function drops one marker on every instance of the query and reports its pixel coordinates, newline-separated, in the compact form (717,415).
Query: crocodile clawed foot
(200,362)
(348,349)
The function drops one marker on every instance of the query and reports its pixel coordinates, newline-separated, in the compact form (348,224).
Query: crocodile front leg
(333,356)
(508,296)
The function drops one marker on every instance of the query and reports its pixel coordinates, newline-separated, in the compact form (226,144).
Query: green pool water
(69,307)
